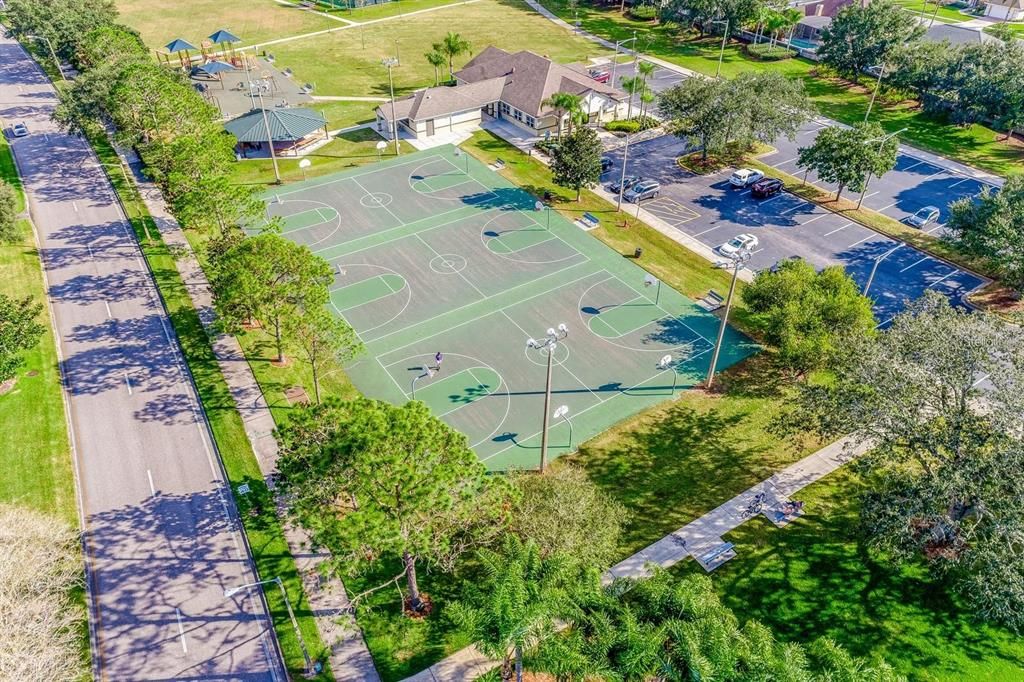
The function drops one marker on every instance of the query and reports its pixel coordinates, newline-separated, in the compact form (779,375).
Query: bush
(633,125)
(546,146)
(768,53)
(643,12)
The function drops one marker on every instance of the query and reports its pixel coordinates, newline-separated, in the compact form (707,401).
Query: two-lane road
(162,536)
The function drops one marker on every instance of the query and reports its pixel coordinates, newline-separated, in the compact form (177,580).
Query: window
(531,121)
(504,108)
(517,115)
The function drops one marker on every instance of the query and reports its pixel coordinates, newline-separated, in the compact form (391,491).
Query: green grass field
(925,9)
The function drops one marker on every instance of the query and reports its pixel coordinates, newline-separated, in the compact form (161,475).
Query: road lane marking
(107,305)
(89,246)
(75,205)
(127,382)
(843,227)
(152,488)
(181,631)
(917,262)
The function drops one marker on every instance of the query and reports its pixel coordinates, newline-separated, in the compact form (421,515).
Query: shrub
(643,12)
(633,125)
(547,146)
(768,53)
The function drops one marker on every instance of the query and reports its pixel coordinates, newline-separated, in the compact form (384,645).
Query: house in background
(1010,10)
(958,35)
(500,85)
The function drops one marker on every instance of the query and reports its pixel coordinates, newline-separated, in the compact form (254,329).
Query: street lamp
(880,140)
(739,259)
(721,54)
(253,87)
(562,412)
(878,85)
(232,591)
(427,372)
(390,63)
(56,62)
(622,175)
(666,363)
(615,59)
(874,268)
(547,345)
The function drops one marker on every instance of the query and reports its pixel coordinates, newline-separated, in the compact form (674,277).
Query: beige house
(1011,10)
(503,85)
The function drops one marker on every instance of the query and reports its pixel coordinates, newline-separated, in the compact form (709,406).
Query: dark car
(606,164)
(626,183)
(767,187)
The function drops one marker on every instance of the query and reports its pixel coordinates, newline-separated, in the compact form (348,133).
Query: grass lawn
(1015,26)
(811,579)
(345,114)
(389,9)
(974,145)
(339,64)
(947,14)
(253,21)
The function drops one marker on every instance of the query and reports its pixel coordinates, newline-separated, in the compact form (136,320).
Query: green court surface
(434,252)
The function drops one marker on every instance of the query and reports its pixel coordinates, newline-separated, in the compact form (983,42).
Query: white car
(19,130)
(924,217)
(744,177)
(741,242)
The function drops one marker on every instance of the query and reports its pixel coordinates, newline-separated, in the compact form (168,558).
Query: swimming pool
(803,44)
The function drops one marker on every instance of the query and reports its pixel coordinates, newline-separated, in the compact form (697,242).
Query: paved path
(692,539)
(350,659)
(162,538)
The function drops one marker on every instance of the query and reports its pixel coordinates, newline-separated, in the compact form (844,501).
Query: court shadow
(470,394)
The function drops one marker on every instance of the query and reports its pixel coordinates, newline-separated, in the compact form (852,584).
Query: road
(161,532)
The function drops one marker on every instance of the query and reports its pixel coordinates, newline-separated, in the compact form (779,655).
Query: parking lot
(661,80)
(710,210)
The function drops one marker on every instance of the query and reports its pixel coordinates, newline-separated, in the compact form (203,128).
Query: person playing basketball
(437,361)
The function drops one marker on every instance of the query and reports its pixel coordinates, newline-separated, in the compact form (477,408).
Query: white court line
(181,631)
(817,217)
(152,488)
(401,222)
(944,277)
(842,227)
(917,262)
(127,382)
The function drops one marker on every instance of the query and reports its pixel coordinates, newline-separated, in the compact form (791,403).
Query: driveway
(708,209)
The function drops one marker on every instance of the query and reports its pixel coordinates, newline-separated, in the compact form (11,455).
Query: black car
(766,187)
(626,183)
(606,164)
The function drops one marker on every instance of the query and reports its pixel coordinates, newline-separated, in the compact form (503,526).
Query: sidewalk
(692,539)
(350,659)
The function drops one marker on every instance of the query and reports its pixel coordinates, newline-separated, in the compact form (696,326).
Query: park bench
(590,221)
(308,4)
(307,88)
(287,72)
(499,164)
(270,58)
(712,301)
(713,558)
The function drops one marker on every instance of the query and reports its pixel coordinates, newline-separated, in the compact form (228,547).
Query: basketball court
(434,252)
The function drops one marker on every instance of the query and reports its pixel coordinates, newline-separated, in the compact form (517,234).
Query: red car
(601,76)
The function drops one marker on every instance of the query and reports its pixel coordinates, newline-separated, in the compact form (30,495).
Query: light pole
(266,122)
(874,268)
(56,62)
(562,412)
(721,54)
(880,140)
(427,372)
(665,364)
(230,592)
(615,59)
(739,259)
(622,175)
(392,62)
(878,85)
(547,345)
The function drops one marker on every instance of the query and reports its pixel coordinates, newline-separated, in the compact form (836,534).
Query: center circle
(376,199)
(540,357)
(448,264)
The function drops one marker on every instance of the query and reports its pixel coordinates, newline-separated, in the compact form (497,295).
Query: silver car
(647,189)
(923,217)
(19,130)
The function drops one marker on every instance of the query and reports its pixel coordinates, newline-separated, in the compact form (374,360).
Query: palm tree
(646,98)
(646,70)
(789,18)
(513,608)
(632,86)
(564,103)
(451,47)
(437,60)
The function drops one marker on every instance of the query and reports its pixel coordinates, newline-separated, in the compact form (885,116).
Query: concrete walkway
(692,539)
(350,659)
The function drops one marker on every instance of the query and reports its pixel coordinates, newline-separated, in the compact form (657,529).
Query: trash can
(639,252)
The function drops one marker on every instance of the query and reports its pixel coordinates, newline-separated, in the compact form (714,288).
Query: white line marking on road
(783,163)
(817,217)
(152,488)
(987,375)
(790,210)
(870,236)
(139,262)
(889,206)
(181,631)
(917,262)
(107,305)
(777,196)
(89,246)
(960,182)
(936,228)
(914,166)
(843,227)
(868,196)
(708,230)
(74,204)
(946,276)
(127,382)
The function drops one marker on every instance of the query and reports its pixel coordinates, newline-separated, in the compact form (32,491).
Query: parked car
(645,189)
(740,242)
(606,164)
(626,183)
(601,76)
(19,130)
(744,177)
(924,217)
(766,187)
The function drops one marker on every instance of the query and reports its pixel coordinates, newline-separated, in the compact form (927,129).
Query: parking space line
(870,236)
(817,217)
(868,196)
(842,227)
(783,163)
(960,182)
(710,229)
(915,165)
(917,262)
(777,196)
(936,228)
(944,277)
(887,207)
(790,210)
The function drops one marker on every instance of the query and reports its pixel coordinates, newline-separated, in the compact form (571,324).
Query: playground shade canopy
(224,36)
(179,45)
(213,68)
(286,125)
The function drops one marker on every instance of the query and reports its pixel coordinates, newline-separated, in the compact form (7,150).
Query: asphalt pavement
(162,536)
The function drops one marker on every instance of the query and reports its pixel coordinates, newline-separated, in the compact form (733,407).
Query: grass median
(266,538)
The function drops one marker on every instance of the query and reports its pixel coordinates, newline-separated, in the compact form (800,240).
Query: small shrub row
(633,125)
(643,12)
(767,52)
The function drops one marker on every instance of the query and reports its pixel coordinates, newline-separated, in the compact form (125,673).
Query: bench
(712,301)
(714,558)
(306,89)
(308,4)
(287,72)
(590,221)
(499,164)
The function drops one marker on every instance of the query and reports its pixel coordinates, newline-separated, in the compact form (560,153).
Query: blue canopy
(224,36)
(214,68)
(179,45)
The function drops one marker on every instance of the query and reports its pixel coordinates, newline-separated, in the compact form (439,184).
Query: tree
(944,470)
(808,316)
(646,71)
(694,110)
(865,35)
(437,60)
(849,156)
(992,226)
(564,103)
(325,341)
(577,161)
(631,85)
(19,331)
(451,47)
(40,568)
(8,213)
(391,483)
(565,513)
(66,23)
(514,606)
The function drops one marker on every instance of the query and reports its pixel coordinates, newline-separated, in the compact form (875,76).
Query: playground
(434,252)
